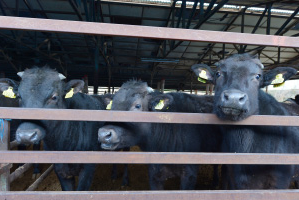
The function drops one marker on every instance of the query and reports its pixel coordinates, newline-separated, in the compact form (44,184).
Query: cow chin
(232,113)
(109,146)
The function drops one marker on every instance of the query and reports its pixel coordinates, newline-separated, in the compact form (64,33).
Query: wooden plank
(4,146)
(128,116)
(79,27)
(146,157)
(156,195)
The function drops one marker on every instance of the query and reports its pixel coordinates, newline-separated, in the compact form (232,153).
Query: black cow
(135,96)
(238,80)
(43,88)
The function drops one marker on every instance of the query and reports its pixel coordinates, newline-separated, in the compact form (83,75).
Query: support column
(162,85)
(4,146)
(96,70)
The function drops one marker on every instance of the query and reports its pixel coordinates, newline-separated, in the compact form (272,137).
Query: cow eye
(218,74)
(54,97)
(138,106)
(258,76)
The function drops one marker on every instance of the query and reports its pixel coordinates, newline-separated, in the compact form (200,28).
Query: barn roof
(147,59)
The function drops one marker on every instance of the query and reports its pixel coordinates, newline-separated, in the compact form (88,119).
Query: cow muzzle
(234,102)
(108,138)
(29,133)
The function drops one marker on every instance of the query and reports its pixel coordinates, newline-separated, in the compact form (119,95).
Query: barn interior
(108,61)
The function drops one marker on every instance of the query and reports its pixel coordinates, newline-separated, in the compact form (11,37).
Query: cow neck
(74,135)
(251,139)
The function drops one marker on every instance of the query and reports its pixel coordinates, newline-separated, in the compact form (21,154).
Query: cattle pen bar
(90,28)
(152,117)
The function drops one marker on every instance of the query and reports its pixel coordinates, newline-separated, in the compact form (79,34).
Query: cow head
(39,88)
(132,96)
(237,82)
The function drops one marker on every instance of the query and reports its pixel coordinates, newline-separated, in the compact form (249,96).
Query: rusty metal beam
(19,171)
(147,157)
(130,116)
(40,179)
(157,195)
(75,27)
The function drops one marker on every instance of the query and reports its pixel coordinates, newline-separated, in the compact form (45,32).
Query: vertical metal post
(242,28)
(269,19)
(162,85)
(96,70)
(278,55)
(4,146)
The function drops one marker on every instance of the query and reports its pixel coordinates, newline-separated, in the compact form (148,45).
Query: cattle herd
(238,81)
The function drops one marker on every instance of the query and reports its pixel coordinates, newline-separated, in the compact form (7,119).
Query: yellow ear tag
(9,93)
(201,80)
(109,106)
(160,105)
(278,79)
(69,94)
(278,85)
(203,74)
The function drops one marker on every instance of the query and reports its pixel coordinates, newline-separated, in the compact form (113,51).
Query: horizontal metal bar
(64,26)
(129,116)
(155,117)
(157,195)
(146,157)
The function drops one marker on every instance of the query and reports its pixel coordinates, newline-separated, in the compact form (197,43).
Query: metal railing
(141,157)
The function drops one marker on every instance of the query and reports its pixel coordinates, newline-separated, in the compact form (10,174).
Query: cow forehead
(123,99)
(39,84)
(247,67)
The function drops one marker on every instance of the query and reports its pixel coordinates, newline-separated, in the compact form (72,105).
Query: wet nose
(234,97)
(105,136)
(26,137)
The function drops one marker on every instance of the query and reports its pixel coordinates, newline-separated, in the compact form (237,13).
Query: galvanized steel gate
(75,27)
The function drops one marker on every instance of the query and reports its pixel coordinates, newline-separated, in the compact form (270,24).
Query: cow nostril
(226,97)
(34,134)
(108,136)
(243,99)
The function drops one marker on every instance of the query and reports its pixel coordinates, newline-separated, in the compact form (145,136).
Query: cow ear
(107,100)
(160,102)
(277,76)
(72,87)
(204,73)
(8,87)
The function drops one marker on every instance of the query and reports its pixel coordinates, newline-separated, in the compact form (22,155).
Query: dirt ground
(138,178)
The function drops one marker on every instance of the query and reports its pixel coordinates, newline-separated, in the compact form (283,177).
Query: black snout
(27,137)
(234,102)
(29,133)
(105,136)
(108,138)
(234,98)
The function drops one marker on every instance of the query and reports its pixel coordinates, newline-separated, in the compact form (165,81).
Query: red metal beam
(147,157)
(92,28)
(157,195)
(128,116)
